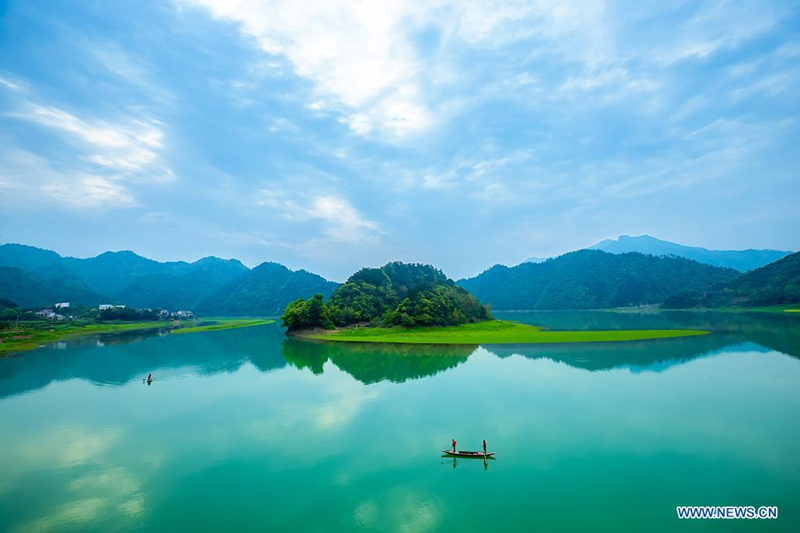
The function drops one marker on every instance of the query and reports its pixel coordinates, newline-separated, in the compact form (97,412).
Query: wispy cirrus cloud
(126,148)
(28,179)
(105,158)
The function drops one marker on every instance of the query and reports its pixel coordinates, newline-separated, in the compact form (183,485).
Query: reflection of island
(371,363)
(117,359)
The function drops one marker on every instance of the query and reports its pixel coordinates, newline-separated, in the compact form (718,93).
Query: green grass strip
(30,338)
(222,323)
(492,332)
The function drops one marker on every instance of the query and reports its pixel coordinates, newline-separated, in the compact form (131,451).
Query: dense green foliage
(395,294)
(775,284)
(591,279)
(265,291)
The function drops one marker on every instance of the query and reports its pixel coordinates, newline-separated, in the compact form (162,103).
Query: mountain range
(592,279)
(741,260)
(33,277)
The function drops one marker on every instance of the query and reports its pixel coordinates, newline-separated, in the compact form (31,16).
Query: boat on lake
(461,453)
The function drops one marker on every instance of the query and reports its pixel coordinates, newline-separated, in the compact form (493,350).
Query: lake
(248,430)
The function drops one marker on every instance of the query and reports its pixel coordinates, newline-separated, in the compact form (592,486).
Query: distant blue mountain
(741,260)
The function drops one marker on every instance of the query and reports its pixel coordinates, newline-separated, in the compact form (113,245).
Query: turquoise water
(247,430)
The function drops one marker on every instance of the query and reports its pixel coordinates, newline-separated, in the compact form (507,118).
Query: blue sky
(330,135)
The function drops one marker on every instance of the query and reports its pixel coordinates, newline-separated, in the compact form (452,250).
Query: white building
(62,305)
(103,307)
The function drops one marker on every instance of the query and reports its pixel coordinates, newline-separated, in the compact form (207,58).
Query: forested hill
(775,284)
(395,294)
(265,291)
(591,279)
(21,288)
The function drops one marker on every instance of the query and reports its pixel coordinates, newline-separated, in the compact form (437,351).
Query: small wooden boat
(461,453)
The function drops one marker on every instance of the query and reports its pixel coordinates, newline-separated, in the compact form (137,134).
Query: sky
(330,135)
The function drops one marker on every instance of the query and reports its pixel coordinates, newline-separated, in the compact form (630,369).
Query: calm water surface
(247,430)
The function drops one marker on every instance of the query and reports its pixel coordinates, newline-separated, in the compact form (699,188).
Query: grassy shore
(31,336)
(28,337)
(742,309)
(490,332)
(222,323)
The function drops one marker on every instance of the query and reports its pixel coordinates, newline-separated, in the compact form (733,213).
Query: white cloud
(364,58)
(128,148)
(11,84)
(367,64)
(27,179)
(104,160)
(341,221)
(613,77)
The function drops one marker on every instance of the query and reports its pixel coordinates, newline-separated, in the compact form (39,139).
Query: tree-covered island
(396,294)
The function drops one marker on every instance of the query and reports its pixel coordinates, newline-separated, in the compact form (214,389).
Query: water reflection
(117,359)
(776,331)
(240,432)
(653,355)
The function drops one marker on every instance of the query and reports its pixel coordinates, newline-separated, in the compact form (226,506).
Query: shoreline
(23,340)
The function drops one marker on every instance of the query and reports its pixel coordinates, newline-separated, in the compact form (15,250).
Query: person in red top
(454,445)
(484,447)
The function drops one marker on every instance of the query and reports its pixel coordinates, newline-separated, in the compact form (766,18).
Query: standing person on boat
(149,378)
(454,445)
(484,446)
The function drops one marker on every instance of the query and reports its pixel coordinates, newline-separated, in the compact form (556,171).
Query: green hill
(183,291)
(265,291)
(591,279)
(775,284)
(31,290)
(395,294)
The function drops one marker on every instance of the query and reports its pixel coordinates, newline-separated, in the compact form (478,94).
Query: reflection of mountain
(371,363)
(121,358)
(654,355)
(776,331)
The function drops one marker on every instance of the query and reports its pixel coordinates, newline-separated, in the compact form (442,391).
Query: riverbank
(489,332)
(29,337)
